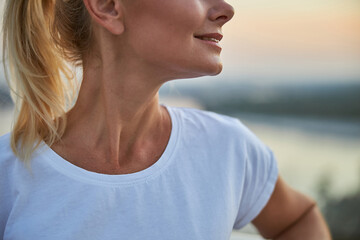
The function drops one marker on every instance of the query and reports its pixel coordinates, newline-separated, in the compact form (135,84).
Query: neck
(116,112)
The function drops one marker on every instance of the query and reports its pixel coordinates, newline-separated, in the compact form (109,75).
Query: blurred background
(292,75)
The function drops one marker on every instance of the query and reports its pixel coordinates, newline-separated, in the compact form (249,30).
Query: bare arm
(291,215)
(311,225)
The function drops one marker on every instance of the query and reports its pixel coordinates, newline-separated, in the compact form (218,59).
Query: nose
(221,12)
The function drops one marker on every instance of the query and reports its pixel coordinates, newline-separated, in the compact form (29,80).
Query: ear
(107,13)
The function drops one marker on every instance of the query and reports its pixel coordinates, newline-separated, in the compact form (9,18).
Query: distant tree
(342,214)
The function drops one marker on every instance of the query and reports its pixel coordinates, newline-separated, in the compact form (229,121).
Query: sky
(292,41)
(297,40)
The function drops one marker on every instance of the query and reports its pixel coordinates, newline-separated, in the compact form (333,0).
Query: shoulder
(4,138)
(6,152)
(206,118)
(216,124)
(7,156)
(8,161)
(201,114)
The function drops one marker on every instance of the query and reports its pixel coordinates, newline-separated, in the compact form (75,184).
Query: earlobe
(107,13)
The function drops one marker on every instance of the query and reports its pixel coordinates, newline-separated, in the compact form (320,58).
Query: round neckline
(63,166)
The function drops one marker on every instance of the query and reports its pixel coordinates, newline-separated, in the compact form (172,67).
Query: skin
(291,215)
(117,125)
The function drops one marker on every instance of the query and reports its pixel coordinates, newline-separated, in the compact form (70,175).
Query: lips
(216,36)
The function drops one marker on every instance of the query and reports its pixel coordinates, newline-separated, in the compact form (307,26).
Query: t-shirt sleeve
(260,176)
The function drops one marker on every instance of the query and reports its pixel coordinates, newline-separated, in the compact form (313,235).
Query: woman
(118,165)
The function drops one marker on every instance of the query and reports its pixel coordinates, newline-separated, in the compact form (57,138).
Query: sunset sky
(298,40)
(293,40)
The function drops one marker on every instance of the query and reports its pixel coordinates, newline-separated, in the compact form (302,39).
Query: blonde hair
(40,38)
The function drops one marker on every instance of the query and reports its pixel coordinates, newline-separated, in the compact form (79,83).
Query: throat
(140,156)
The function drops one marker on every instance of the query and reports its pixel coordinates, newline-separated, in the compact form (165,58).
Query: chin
(201,71)
(216,70)
(210,71)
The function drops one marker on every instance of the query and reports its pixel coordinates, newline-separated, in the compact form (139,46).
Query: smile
(211,42)
(208,39)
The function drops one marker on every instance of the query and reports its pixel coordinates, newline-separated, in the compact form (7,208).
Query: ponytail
(38,74)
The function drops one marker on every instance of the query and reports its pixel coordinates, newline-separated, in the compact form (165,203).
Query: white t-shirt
(214,176)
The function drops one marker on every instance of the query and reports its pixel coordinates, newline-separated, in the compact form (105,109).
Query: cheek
(164,25)
(162,33)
